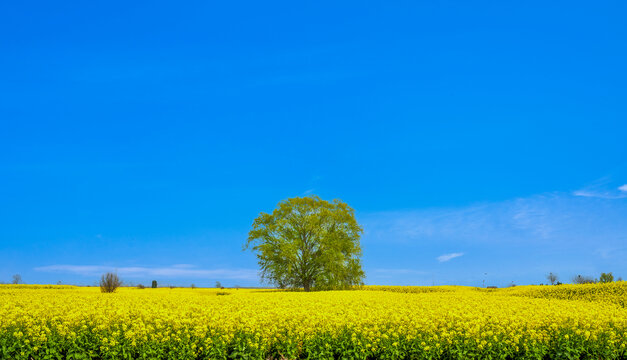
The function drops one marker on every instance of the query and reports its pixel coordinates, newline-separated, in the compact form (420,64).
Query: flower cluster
(526,322)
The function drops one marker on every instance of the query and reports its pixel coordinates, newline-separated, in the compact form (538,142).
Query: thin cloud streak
(602,194)
(541,233)
(554,217)
(604,188)
(174,271)
(448,257)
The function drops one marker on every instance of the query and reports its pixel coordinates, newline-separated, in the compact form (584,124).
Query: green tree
(154,284)
(308,242)
(606,278)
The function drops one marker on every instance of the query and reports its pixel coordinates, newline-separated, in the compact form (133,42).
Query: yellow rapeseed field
(527,322)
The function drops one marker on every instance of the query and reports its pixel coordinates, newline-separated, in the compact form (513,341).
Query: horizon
(478,144)
(133,285)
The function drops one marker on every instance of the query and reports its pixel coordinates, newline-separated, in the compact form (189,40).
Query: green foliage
(349,343)
(606,278)
(154,284)
(308,243)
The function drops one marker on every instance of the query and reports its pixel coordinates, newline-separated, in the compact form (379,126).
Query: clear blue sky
(471,138)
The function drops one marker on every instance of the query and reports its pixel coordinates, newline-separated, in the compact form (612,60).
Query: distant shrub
(583,280)
(154,284)
(606,278)
(109,282)
(223,293)
(140,286)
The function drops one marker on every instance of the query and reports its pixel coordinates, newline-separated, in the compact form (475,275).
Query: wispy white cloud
(541,233)
(604,188)
(309,191)
(174,271)
(603,194)
(556,217)
(447,257)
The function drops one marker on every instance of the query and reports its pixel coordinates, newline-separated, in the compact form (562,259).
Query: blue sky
(476,141)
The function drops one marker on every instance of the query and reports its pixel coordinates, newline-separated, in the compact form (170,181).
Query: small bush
(109,282)
(140,286)
(583,280)
(606,278)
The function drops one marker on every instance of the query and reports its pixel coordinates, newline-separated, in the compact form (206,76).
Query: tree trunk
(306,286)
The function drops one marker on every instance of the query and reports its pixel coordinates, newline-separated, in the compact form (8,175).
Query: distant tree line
(583,279)
(110,282)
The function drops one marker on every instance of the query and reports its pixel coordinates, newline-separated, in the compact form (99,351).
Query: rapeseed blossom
(370,322)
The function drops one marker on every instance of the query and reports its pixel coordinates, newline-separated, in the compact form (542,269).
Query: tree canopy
(605,278)
(307,242)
